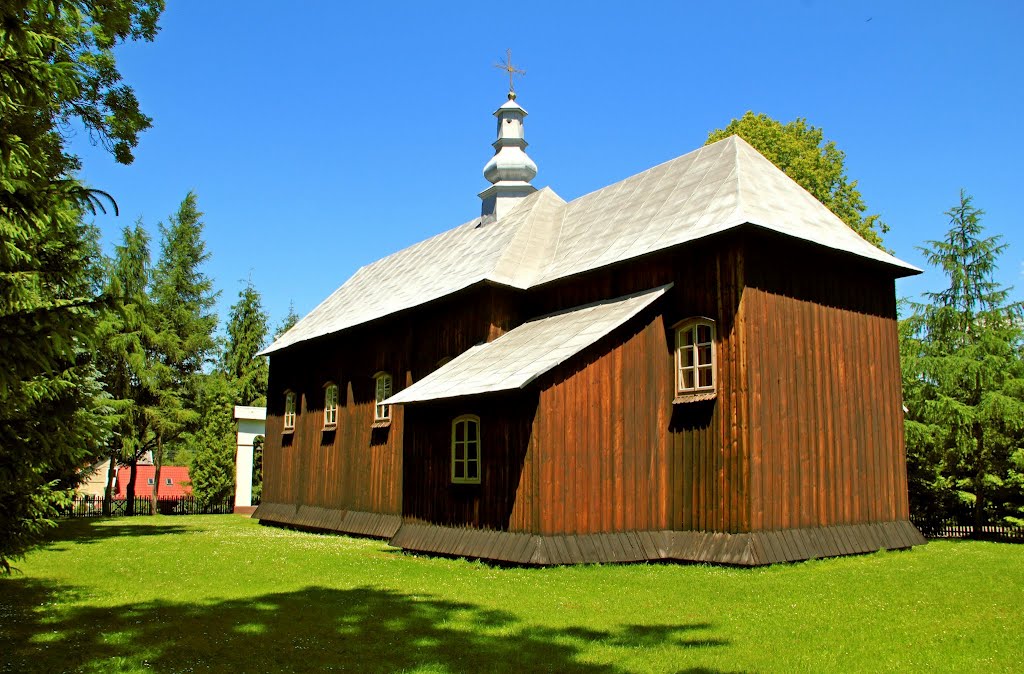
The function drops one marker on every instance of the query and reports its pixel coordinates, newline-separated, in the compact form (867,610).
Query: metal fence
(92,506)
(988,532)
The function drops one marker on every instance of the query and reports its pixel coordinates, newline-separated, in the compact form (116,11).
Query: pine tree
(56,66)
(242,380)
(964,378)
(126,353)
(247,335)
(289,321)
(212,445)
(183,298)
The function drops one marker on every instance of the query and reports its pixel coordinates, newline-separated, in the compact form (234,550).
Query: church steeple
(510,170)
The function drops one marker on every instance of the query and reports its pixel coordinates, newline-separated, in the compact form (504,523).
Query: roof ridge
(522,245)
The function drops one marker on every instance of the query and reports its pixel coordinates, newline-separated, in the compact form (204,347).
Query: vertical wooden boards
(804,432)
(428,495)
(600,472)
(617,454)
(358,466)
(825,405)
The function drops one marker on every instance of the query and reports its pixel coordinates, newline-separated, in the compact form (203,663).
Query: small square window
(150,482)
(169,482)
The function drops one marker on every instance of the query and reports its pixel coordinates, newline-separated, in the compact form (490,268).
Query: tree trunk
(108,492)
(133,471)
(158,462)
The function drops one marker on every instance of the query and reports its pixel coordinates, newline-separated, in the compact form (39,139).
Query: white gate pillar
(250,422)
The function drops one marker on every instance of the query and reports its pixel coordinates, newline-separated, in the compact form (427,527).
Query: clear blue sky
(322,136)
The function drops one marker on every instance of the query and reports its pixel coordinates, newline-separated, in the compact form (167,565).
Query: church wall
(633,460)
(498,502)
(356,466)
(804,432)
(826,422)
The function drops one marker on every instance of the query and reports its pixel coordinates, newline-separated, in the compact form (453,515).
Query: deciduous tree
(816,164)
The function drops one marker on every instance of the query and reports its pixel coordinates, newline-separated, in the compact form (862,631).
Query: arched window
(696,362)
(466,450)
(331,406)
(382,412)
(289,410)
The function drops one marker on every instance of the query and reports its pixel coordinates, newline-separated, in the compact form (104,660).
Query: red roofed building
(173,481)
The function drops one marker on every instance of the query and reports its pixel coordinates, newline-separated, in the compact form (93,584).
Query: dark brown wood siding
(429,496)
(805,430)
(356,466)
(826,422)
(633,460)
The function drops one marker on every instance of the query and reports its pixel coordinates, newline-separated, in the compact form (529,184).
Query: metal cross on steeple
(510,69)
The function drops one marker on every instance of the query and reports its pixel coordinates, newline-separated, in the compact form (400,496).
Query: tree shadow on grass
(314,629)
(97,529)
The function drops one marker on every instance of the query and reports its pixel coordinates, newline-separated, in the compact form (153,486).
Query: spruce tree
(183,298)
(289,321)
(247,335)
(964,378)
(241,380)
(212,445)
(128,355)
(56,66)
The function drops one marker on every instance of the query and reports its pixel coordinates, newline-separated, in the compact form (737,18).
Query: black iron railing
(92,506)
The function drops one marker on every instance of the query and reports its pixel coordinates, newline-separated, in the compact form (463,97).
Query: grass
(221,593)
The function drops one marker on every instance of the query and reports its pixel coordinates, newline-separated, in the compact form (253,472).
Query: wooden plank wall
(429,496)
(633,460)
(826,422)
(356,466)
(605,468)
(805,430)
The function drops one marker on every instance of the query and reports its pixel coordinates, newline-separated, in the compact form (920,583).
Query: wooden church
(697,363)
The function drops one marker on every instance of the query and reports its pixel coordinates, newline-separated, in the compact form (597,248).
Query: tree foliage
(247,335)
(289,321)
(817,165)
(127,353)
(57,68)
(963,363)
(212,445)
(183,299)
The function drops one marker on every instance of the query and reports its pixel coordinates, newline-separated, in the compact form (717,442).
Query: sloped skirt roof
(521,355)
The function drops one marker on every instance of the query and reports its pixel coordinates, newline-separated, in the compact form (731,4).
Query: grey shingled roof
(710,190)
(521,355)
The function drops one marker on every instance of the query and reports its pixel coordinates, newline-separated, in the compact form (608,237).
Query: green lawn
(221,593)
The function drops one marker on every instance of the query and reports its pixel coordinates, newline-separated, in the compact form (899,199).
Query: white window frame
(382,388)
(465,444)
(690,327)
(331,405)
(289,410)
(169,482)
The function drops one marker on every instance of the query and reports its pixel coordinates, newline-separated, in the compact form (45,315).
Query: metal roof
(710,190)
(524,353)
